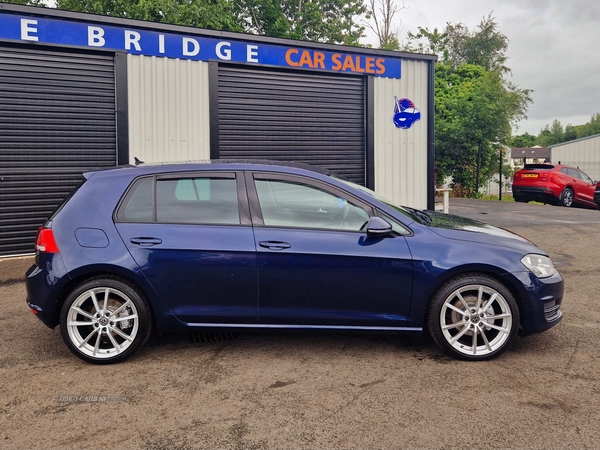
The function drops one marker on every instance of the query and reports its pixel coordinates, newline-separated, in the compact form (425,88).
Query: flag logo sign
(405,113)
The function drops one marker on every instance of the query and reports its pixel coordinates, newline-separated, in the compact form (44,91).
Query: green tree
(475,106)
(330,21)
(522,141)
(26,2)
(457,45)
(474,112)
(551,134)
(555,134)
(212,14)
(570,133)
(592,127)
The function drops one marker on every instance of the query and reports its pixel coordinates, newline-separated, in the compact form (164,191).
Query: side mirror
(378,227)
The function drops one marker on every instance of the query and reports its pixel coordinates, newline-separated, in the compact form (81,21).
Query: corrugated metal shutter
(57,120)
(293,116)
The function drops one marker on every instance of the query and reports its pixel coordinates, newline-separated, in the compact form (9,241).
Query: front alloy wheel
(105,320)
(473,317)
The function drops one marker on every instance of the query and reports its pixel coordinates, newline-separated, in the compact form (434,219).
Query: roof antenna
(137,161)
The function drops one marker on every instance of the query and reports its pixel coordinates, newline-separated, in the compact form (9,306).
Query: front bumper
(541,300)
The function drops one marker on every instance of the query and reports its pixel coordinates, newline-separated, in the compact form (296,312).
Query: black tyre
(473,317)
(105,320)
(566,197)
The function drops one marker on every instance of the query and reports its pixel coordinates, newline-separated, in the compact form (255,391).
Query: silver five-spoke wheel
(473,317)
(104,320)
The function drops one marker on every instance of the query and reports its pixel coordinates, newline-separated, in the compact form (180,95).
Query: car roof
(545,166)
(216,164)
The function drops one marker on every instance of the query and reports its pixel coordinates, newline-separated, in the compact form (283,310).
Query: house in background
(530,155)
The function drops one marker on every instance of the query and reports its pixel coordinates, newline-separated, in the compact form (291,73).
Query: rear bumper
(527,194)
(42,283)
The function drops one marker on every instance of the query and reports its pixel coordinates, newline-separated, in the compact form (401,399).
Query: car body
(555,184)
(258,245)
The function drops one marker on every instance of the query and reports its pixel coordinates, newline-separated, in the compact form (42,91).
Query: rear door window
(186,200)
(197,200)
(574,173)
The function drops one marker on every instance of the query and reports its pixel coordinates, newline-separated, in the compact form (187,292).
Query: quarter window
(137,206)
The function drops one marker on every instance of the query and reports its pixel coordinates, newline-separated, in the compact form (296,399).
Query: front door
(585,186)
(317,266)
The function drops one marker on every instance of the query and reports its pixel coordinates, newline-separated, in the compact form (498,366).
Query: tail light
(45,241)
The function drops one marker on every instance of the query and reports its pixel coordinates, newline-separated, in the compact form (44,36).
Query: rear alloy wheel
(473,317)
(105,320)
(566,197)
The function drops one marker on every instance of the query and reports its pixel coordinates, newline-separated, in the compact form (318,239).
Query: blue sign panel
(173,45)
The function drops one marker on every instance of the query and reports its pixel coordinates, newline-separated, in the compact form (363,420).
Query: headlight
(540,266)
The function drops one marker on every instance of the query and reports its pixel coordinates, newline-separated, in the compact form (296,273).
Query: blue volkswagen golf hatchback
(241,245)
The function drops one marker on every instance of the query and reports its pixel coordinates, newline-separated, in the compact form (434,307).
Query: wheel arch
(86,273)
(506,279)
(476,331)
(565,187)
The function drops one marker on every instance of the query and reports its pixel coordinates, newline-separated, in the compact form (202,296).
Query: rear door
(317,266)
(191,236)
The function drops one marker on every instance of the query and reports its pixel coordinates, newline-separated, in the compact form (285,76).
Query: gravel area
(318,391)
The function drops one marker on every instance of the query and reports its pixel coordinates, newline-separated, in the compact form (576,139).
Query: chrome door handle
(146,241)
(274,245)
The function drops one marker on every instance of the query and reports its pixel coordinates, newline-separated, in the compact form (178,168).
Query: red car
(555,184)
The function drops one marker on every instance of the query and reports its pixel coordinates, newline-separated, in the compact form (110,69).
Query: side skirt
(303,327)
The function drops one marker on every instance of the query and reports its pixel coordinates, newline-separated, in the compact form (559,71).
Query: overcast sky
(554,49)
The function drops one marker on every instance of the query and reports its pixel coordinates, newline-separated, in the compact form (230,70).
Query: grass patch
(505,197)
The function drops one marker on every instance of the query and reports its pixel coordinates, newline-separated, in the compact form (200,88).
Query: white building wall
(401,155)
(168,109)
(583,153)
(169,120)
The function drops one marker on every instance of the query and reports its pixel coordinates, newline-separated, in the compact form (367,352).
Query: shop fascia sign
(195,47)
